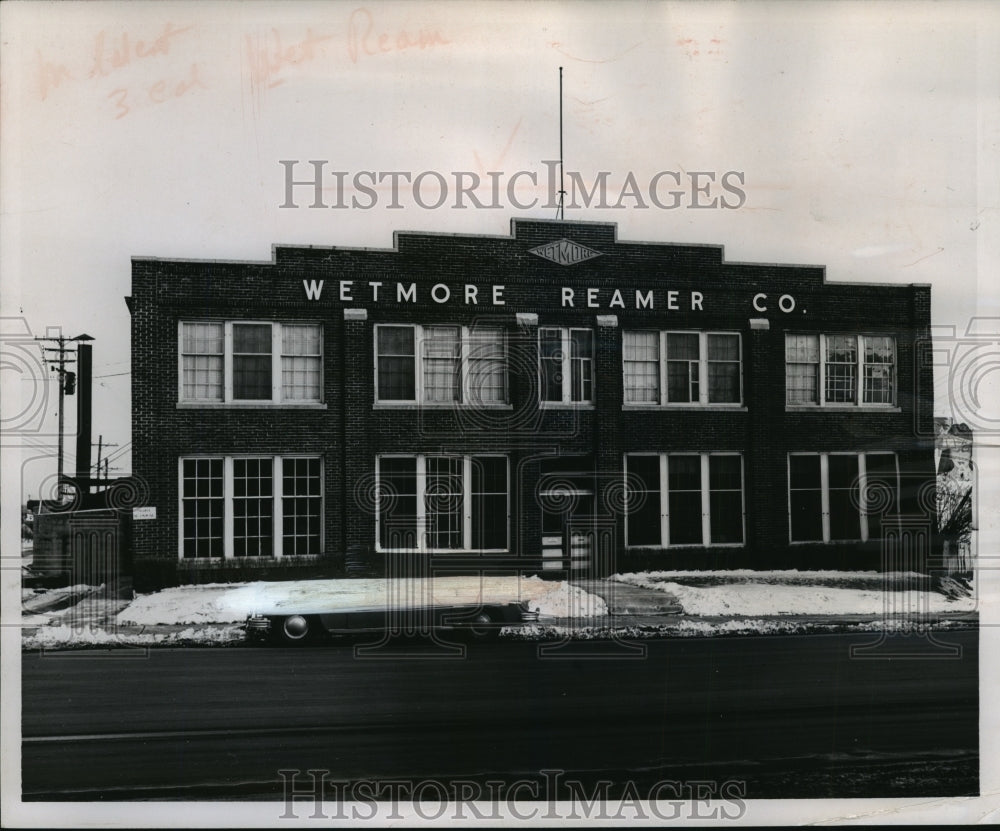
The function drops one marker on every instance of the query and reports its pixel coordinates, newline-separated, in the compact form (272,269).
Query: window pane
(643,505)
(550,357)
(724,473)
(202,348)
(487,367)
(300,362)
(807,519)
(726,517)
(300,507)
(684,473)
(679,386)
(581,358)
(489,502)
(726,498)
(723,383)
(203,338)
(723,347)
(685,518)
(253,507)
(805,498)
(202,507)
(251,362)
(396,363)
(881,493)
(805,472)
(442,355)
(684,478)
(641,354)
(801,383)
(802,349)
(397,496)
(845,517)
(879,378)
(443,500)
(682,346)
(841,368)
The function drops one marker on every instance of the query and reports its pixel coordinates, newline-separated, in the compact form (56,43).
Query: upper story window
(237,361)
(685,368)
(440,364)
(566,365)
(840,370)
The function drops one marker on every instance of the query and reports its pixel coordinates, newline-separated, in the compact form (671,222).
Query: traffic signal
(69,387)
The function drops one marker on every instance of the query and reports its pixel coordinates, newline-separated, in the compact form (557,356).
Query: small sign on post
(146,512)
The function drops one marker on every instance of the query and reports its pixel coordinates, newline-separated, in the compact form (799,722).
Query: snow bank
(72,637)
(753,599)
(231,603)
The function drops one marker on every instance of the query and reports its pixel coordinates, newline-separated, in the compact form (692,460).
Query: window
(254,506)
(845,370)
(202,505)
(834,497)
(301,505)
(442,503)
(441,365)
(682,368)
(702,503)
(566,365)
(250,362)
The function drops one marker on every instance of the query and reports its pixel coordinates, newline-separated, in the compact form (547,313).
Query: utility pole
(101,446)
(67,386)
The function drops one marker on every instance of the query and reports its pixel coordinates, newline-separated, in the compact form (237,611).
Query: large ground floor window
(442,503)
(250,506)
(675,499)
(840,497)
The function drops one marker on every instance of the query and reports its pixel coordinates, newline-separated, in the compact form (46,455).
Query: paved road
(223,722)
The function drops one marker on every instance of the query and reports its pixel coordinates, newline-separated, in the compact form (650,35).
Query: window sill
(733,408)
(457,405)
(690,547)
(561,405)
(842,408)
(828,542)
(195,563)
(464,552)
(250,405)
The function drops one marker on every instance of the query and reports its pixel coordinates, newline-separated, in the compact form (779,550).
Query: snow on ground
(232,602)
(72,637)
(793,593)
(874,580)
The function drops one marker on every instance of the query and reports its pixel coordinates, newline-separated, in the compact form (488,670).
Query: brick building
(556,399)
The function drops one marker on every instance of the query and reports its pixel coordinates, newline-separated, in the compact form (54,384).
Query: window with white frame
(844,370)
(442,503)
(676,499)
(840,497)
(440,364)
(250,506)
(566,365)
(682,368)
(252,362)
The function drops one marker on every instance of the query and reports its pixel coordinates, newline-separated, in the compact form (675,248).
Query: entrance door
(567,529)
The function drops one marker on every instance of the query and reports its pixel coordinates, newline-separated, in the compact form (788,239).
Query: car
(474,621)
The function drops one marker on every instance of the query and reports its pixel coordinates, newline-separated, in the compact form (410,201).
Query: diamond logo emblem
(565,252)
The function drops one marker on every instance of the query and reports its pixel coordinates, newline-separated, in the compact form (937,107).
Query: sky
(853,132)
(864,136)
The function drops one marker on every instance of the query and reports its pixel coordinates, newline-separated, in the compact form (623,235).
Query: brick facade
(348,429)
